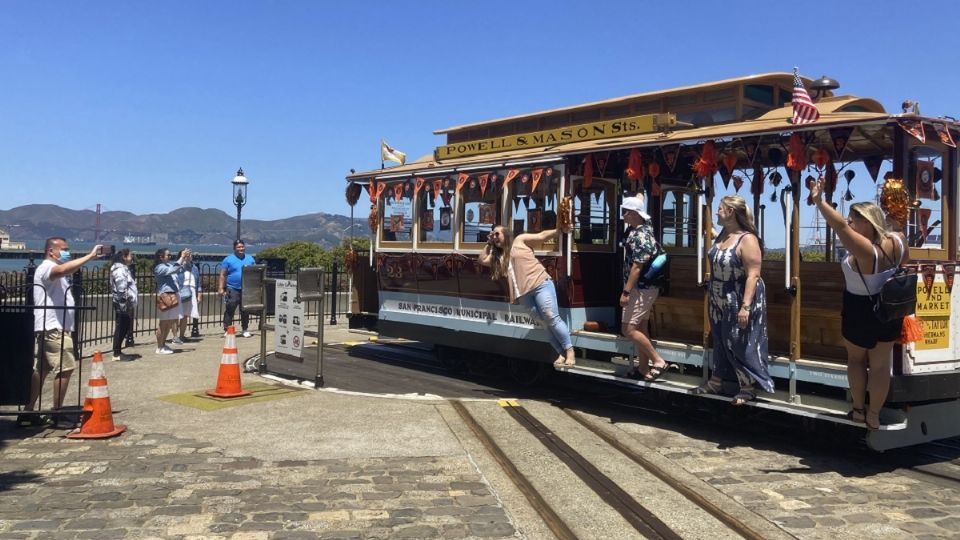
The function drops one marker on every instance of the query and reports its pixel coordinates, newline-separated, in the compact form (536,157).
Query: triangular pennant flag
(446,196)
(537,175)
(484,179)
(725,176)
(635,165)
(913,127)
(587,171)
(840,137)
(461,180)
(437,185)
(398,192)
(516,204)
(372,191)
(730,159)
(602,164)
(511,174)
(419,186)
(872,165)
(944,133)
(751,148)
(929,273)
(670,154)
(737,182)
(948,275)
(380,187)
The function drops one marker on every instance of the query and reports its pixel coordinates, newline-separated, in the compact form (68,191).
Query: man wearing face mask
(54,324)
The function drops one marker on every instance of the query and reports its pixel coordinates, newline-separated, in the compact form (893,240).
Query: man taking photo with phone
(53,322)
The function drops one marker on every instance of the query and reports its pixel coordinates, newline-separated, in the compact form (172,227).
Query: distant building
(7,244)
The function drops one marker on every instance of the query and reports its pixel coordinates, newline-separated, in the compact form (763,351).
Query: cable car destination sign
(618,127)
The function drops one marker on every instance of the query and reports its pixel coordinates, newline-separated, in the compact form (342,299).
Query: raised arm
(486,256)
(533,240)
(73,265)
(856,243)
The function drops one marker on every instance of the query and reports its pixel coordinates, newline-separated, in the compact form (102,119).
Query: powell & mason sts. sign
(619,127)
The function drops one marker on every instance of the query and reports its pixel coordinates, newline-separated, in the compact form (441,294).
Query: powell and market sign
(620,127)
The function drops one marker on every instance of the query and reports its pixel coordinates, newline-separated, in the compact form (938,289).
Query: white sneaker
(246,334)
(177,341)
(164,350)
(117,358)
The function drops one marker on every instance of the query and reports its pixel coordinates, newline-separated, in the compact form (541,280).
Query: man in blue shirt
(230,283)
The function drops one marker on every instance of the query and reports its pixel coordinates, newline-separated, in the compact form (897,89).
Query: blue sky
(150,106)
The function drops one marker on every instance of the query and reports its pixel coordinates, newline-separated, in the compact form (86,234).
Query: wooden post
(795,282)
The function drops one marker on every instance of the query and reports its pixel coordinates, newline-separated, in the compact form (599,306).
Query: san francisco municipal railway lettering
(468,313)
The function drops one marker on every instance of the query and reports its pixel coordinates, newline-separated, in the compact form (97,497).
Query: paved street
(344,463)
(318,465)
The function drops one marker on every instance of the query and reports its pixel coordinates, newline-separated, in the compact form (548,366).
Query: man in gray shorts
(641,250)
(54,324)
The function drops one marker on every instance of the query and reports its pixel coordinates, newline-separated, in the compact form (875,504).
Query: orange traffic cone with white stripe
(97,417)
(228,381)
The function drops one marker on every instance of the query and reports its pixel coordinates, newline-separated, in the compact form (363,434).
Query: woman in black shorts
(874,254)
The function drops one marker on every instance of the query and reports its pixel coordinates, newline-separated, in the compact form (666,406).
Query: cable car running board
(679,388)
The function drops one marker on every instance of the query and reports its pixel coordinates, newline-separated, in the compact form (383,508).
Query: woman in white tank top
(874,255)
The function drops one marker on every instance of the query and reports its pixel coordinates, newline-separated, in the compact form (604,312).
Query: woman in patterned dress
(737,307)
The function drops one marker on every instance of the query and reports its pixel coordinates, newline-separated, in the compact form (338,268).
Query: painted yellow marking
(508,403)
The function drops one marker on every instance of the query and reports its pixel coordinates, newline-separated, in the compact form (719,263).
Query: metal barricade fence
(97,323)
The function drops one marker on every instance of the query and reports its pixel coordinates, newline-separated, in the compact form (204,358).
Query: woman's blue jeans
(542,302)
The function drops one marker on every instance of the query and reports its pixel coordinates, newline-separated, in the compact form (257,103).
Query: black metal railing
(91,288)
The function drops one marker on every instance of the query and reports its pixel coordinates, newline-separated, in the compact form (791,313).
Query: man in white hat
(643,264)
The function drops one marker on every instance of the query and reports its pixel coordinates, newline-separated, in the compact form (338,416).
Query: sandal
(857,415)
(712,386)
(743,396)
(872,420)
(657,371)
(561,362)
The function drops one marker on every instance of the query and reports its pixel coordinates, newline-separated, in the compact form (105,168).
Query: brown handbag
(167,300)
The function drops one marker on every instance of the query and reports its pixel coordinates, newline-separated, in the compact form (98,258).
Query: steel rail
(642,519)
(549,516)
(731,521)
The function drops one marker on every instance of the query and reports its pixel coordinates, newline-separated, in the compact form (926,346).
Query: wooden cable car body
(431,219)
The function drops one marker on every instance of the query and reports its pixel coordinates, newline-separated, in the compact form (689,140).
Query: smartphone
(106,251)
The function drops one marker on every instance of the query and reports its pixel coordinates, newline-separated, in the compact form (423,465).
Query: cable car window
(479,211)
(679,219)
(435,209)
(532,197)
(925,221)
(593,215)
(397,224)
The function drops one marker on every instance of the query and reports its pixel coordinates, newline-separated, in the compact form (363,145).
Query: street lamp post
(239,195)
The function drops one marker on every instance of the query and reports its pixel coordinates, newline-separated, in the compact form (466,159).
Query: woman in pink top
(529,282)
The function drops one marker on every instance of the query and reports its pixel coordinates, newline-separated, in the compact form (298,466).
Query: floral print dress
(737,351)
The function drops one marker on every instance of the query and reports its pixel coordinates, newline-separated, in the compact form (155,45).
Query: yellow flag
(388,153)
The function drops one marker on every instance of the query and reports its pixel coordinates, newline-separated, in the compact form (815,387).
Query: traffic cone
(97,417)
(228,381)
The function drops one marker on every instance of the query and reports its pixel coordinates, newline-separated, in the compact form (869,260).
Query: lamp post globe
(240,183)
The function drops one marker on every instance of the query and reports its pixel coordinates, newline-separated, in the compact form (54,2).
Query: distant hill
(191,225)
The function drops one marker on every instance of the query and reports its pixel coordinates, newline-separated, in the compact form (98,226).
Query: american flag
(804,111)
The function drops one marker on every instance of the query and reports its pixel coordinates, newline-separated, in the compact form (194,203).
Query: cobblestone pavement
(161,486)
(813,495)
